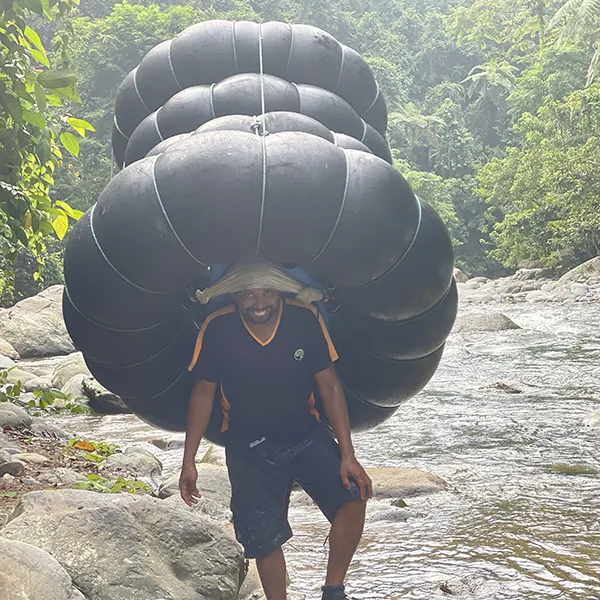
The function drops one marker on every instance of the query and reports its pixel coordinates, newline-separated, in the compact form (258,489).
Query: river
(520,519)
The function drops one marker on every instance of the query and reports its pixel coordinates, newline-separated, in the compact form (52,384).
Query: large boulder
(491,321)
(213,483)
(35,326)
(391,482)
(102,400)
(15,375)
(27,572)
(13,416)
(127,547)
(7,350)
(135,461)
(587,272)
(68,368)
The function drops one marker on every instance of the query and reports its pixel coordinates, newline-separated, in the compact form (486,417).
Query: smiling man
(269,356)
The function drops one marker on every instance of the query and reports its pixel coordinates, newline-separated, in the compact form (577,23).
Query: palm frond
(594,70)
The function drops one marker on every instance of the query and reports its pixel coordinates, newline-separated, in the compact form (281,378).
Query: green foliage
(32,88)
(95,452)
(46,400)
(544,193)
(12,391)
(97,483)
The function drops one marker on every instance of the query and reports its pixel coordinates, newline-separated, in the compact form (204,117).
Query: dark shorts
(261,482)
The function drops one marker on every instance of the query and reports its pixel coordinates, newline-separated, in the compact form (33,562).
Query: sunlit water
(516,522)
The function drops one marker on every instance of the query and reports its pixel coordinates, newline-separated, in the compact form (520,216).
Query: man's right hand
(187,485)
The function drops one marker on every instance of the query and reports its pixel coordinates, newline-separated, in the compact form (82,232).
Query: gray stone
(213,483)
(6,362)
(31,458)
(480,280)
(391,515)
(67,368)
(252,585)
(37,383)
(164,444)
(74,386)
(593,419)
(15,468)
(205,506)
(492,321)
(8,444)
(578,289)
(540,296)
(16,375)
(13,416)
(35,326)
(588,271)
(402,482)
(61,476)
(135,461)
(27,572)
(43,428)
(29,481)
(127,547)
(102,400)
(459,276)
(7,350)
(529,274)
(5,456)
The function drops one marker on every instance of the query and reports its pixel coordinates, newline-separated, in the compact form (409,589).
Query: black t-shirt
(266,387)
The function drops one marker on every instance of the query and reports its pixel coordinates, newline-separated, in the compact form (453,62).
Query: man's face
(258,306)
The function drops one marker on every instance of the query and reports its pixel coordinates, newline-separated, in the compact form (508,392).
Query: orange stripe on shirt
(225,407)
(200,339)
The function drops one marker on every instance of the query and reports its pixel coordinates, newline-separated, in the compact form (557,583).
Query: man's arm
(336,408)
(199,412)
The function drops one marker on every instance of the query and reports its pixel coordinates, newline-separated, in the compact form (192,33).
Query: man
(267,356)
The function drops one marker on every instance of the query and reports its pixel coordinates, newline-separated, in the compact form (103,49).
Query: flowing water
(521,516)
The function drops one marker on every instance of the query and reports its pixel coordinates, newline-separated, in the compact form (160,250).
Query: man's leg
(346,530)
(273,575)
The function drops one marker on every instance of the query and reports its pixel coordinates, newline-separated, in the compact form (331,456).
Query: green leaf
(60,225)
(40,53)
(69,93)
(54,100)
(69,141)
(40,97)
(71,212)
(55,79)
(13,106)
(80,126)
(34,118)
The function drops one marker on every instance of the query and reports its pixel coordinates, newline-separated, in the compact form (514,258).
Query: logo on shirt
(299,354)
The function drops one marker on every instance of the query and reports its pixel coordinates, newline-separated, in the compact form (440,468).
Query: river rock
(128,547)
(205,506)
(31,458)
(61,476)
(587,272)
(35,326)
(14,468)
(29,572)
(37,383)
(102,400)
(213,483)
(402,482)
(459,276)
(135,461)
(492,321)
(6,362)
(7,443)
(5,456)
(13,416)
(16,375)
(43,428)
(69,367)
(529,274)
(8,351)
(593,419)
(74,387)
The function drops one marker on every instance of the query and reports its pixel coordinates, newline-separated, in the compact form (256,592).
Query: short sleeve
(205,362)
(320,351)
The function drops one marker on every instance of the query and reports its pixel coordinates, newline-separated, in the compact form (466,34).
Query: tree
(578,21)
(543,195)
(34,130)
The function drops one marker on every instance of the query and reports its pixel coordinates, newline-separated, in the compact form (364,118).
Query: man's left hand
(351,468)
